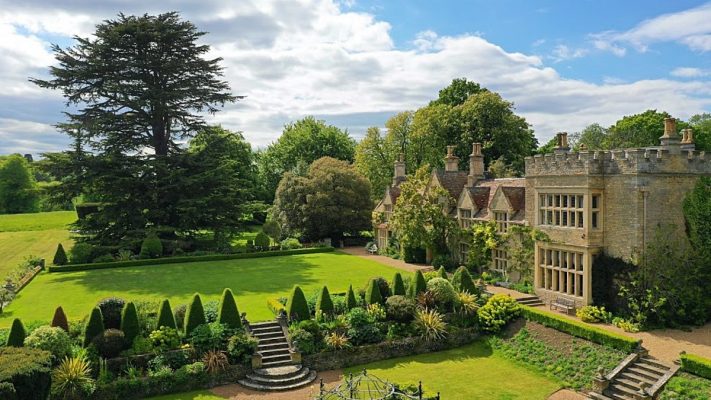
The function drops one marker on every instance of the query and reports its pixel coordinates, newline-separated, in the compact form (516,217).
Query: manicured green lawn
(198,395)
(37,221)
(252,280)
(467,373)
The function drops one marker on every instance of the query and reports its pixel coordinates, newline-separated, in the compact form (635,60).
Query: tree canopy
(18,188)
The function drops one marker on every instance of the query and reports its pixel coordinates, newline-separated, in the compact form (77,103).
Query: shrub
(497,312)
(430,324)
(372,293)
(276,305)
(103,258)
(27,371)
(324,303)
(463,282)
(376,312)
(110,343)
(290,244)
(228,314)
(180,312)
(240,348)
(418,285)
(59,319)
(54,340)
(593,314)
(16,338)
(165,316)
(337,341)
(165,338)
(351,302)
(94,327)
(696,365)
(208,337)
(384,287)
(129,323)
(398,285)
(303,340)
(195,315)
(467,303)
(111,308)
(210,309)
(60,256)
(297,308)
(626,325)
(81,253)
(581,330)
(362,328)
(400,308)
(172,360)
(215,361)
(442,273)
(151,247)
(262,241)
(443,291)
(71,380)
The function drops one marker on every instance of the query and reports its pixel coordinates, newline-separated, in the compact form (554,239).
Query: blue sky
(354,63)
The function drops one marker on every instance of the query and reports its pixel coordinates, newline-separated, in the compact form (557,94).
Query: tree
(638,130)
(272,229)
(301,143)
(333,198)
(593,136)
(372,293)
(398,285)
(351,302)
(59,319)
(94,326)
(463,282)
(227,312)
(165,316)
(195,315)
(499,169)
(418,284)
(16,337)
(296,307)
(374,159)
(458,92)
(60,256)
(324,302)
(701,125)
(697,215)
(129,323)
(18,188)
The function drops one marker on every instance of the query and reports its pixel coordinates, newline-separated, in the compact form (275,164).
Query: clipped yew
(94,326)
(129,323)
(372,294)
(195,315)
(463,282)
(227,312)
(351,302)
(296,307)
(59,320)
(418,285)
(16,338)
(60,256)
(324,302)
(398,285)
(442,273)
(165,316)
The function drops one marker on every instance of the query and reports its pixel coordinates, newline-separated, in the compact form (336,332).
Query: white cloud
(690,72)
(562,52)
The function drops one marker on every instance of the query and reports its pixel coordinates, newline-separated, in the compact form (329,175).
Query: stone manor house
(587,203)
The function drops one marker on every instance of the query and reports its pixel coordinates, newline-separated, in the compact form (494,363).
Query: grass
(197,395)
(688,387)
(249,234)
(471,372)
(56,220)
(252,280)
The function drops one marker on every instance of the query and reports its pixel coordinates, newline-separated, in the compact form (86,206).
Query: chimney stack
(451,162)
(670,137)
(687,140)
(562,143)
(476,165)
(399,169)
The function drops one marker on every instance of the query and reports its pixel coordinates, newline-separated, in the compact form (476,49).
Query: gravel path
(362,252)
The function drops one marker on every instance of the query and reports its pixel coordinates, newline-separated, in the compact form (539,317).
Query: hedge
(27,370)
(696,365)
(582,330)
(176,260)
(275,306)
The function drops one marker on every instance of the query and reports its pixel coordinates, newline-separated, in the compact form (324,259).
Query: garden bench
(373,249)
(563,304)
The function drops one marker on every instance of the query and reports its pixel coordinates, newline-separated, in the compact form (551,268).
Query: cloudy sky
(354,63)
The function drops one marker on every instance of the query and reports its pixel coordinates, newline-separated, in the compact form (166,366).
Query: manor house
(588,203)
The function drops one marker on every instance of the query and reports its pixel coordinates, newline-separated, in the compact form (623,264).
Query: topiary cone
(129,323)
(398,285)
(463,282)
(227,312)
(442,273)
(419,284)
(60,319)
(60,256)
(324,302)
(195,316)
(351,302)
(297,308)
(16,338)
(165,316)
(372,294)
(94,326)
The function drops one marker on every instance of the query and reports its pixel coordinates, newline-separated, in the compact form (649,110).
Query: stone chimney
(399,169)
(476,165)
(687,139)
(451,162)
(670,137)
(562,143)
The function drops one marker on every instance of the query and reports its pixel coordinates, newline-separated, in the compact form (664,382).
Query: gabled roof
(516,197)
(452,181)
(394,193)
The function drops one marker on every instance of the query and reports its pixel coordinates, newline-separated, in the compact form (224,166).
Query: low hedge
(176,260)
(696,365)
(24,373)
(582,330)
(275,306)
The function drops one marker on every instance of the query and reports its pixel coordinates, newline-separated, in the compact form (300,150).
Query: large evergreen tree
(18,188)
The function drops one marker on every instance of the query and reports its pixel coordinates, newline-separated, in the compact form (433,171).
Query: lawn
(252,280)
(37,221)
(197,395)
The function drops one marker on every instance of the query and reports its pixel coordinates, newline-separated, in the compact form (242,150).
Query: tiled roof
(514,189)
(516,196)
(452,181)
(480,196)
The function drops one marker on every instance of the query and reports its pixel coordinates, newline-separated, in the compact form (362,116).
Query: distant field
(37,221)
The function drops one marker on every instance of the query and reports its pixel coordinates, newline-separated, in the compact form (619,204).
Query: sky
(355,63)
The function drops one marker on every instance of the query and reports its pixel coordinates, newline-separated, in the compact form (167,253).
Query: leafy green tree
(638,130)
(697,213)
(94,326)
(324,303)
(296,306)
(129,323)
(593,137)
(195,315)
(499,169)
(374,158)
(546,148)
(165,316)
(333,198)
(227,313)
(701,125)
(372,293)
(458,92)
(16,337)
(398,285)
(18,188)
(60,256)
(272,229)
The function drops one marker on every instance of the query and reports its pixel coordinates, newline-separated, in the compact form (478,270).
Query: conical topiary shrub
(418,284)
(165,316)
(442,273)
(60,319)
(398,285)
(463,282)
(60,256)
(324,302)
(228,313)
(129,323)
(351,302)
(16,338)
(372,294)
(195,315)
(94,326)
(296,307)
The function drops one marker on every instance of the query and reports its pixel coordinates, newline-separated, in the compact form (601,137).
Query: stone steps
(532,301)
(636,377)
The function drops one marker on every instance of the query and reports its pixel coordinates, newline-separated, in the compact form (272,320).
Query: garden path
(363,253)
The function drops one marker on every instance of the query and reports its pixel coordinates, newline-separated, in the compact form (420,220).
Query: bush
(111,308)
(103,258)
(400,308)
(54,340)
(351,301)
(172,360)
(442,273)
(593,314)
(195,315)
(27,370)
(430,324)
(443,291)
(165,338)
(297,308)
(208,337)
(443,261)
(384,287)
(210,309)
(240,348)
(497,312)
(303,340)
(581,330)
(324,303)
(71,380)
(129,323)
(372,293)
(60,256)
(362,328)
(81,253)
(625,324)
(419,285)
(337,341)
(110,343)
(696,365)
(463,282)
(94,327)
(151,247)
(16,338)
(290,244)
(398,285)
(59,320)
(276,305)
(262,241)
(165,316)
(228,313)
(180,316)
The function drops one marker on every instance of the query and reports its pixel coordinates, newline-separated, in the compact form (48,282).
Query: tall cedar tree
(165,316)
(60,319)
(136,88)
(227,313)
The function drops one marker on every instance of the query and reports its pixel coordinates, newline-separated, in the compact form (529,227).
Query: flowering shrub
(497,312)
(593,314)
(165,338)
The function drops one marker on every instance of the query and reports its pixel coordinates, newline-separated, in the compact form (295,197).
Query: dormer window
(502,221)
(465,217)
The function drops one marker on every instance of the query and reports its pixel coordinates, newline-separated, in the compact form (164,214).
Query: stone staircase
(531,301)
(638,377)
(276,369)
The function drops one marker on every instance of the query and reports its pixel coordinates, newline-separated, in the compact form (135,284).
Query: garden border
(696,365)
(184,259)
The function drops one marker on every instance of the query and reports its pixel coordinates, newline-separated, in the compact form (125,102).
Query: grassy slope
(467,373)
(36,221)
(252,280)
